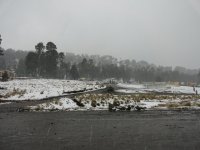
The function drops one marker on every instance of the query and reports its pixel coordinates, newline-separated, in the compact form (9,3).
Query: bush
(110,89)
(111,107)
(93,103)
(5,76)
(173,105)
(116,103)
(186,103)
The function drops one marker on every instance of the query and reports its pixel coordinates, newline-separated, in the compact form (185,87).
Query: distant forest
(46,62)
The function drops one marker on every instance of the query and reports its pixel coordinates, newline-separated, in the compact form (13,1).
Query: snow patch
(62,104)
(140,88)
(36,89)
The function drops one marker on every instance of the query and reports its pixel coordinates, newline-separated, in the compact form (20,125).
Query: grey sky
(165,32)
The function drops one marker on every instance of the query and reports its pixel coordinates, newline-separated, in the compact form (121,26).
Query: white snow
(184,89)
(140,88)
(131,86)
(66,104)
(130,91)
(5,103)
(36,89)
(150,103)
(62,104)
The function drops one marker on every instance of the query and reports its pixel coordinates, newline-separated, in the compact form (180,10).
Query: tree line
(47,62)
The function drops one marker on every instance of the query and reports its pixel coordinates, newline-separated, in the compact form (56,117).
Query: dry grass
(172,105)
(196,104)
(185,103)
(15,92)
(182,101)
(94,103)
(136,97)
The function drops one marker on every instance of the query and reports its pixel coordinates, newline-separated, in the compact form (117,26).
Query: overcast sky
(165,32)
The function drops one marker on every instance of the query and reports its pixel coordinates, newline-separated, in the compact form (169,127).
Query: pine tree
(31,63)
(51,59)
(41,60)
(83,67)
(61,65)
(74,72)
(5,76)
(1,50)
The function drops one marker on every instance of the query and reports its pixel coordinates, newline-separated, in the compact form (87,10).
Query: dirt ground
(100,130)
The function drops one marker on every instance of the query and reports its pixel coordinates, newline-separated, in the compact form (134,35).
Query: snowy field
(36,89)
(66,104)
(143,97)
(141,88)
(120,103)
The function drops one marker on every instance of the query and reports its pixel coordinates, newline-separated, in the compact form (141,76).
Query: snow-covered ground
(131,86)
(69,105)
(140,88)
(36,89)
(119,102)
(5,103)
(62,104)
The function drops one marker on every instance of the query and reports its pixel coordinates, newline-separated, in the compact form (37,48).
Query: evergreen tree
(61,57)
(1,50)
(39,48)
(21,71)
(67,69)
(41,58)
(31,63)
(83,67)
(198,78)
(61,65)
(51,59)
(2,62)
(91,69)
(5,76)
(74,72)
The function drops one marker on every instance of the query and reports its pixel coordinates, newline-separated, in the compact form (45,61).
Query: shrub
(173,105)
(56,102)
(15,92)
(110,89)
(186,104)
(111,107)
(93,103)
(116,103)
(197,104)
(5,76)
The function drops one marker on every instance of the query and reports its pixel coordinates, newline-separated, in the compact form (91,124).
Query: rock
(122,108)
(110,89)
(116,103)
(78,103)
(94,103)
(128,108)
(20,109)
(111,107)
(138,108)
